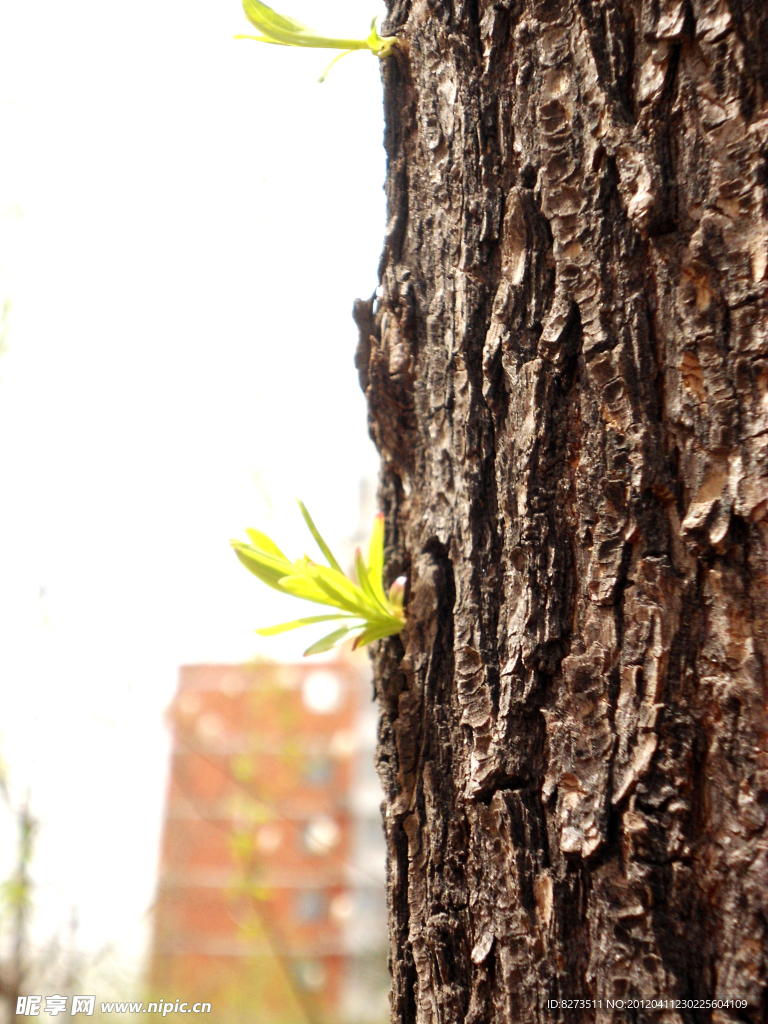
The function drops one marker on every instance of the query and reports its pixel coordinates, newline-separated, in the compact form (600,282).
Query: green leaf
(324,74)
(377,632)
(318,539)
(268,570)
(259,39)
(265,19)
(343,591)
(279,563)
(276,28)
(310,620)
(365,582)
(329,641)
(264,543)
(308,590)
(376,558)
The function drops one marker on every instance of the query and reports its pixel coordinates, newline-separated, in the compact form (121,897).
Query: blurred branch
(270,930)
(16,904)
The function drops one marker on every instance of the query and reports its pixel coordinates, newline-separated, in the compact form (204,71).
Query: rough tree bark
(566,367)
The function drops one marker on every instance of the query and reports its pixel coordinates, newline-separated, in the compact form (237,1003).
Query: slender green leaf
(285,627)
(329,641)
(265,18)
(319,540)
(308,590)
(324,74)
(264,543)
(277,28)
(268,567)
(271,575)
(376,558)
(377,632)
(343,590)
(259,39)
(365,582)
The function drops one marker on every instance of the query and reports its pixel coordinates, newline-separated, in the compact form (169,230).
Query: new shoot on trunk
(283,31)
(366,612)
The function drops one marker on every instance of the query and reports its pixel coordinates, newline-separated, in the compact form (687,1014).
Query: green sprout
(368,613)
(281,31)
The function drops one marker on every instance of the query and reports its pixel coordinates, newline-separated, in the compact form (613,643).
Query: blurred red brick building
(270,895)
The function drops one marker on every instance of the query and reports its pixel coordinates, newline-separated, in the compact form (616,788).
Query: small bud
(397,592)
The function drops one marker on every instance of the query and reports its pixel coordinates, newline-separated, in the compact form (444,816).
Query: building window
(318,770)
(310,974)
(268,838)
(310,906)
(320,835)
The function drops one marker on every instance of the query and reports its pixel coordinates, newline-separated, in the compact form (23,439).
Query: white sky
(184,223)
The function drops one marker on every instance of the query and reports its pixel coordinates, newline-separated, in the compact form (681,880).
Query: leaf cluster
(283,31)
(368,613)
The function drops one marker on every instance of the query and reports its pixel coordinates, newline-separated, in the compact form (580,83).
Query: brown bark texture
(566,366)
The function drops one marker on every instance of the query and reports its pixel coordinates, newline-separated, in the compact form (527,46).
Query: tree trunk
(567,375)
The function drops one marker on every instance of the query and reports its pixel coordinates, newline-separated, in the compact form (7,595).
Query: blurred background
(185,221)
